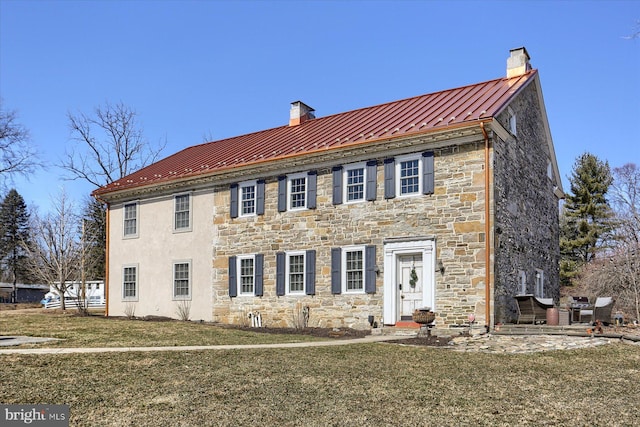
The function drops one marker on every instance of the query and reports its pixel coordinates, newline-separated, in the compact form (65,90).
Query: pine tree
(95,236)
(586,215)
(14,233)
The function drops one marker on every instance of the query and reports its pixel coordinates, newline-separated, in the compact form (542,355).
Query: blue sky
(196,70)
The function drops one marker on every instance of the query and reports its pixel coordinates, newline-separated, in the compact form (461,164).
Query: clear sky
(196,70)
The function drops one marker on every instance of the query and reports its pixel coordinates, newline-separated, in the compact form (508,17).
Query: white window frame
(136,282)
(398,170)
(239,260)
(189,280)
(522,276)
(134,219)
(345,251)
(290,179)
(345,182)
(539,283)
(513,122)
(241,187)
(175,212)
(287,281)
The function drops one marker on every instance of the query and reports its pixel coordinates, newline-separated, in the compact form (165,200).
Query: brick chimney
(300,113)
(518,62)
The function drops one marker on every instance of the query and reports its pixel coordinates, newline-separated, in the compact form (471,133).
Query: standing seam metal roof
(421,114)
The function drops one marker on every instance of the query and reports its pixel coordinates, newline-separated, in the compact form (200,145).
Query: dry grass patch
(98,331)
(355,385)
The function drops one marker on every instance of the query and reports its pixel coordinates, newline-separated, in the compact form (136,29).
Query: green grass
(98,331)
(355,385)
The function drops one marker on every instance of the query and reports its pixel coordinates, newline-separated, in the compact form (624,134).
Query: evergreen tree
(95,237)
(14,233)
(586,215)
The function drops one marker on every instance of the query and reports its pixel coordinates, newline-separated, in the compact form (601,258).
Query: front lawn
(98,331)
(355,385)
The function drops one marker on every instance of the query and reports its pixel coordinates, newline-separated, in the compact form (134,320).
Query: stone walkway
(486,343)
(490,343)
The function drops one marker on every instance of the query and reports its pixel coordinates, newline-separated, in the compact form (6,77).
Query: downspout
(487,229)
(106,259)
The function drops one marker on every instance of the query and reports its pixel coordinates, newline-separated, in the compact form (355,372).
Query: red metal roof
(421,114)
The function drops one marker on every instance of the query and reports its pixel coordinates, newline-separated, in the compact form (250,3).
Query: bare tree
(625,199)
(17,155)
(619,273)
(110,145)
(55,254)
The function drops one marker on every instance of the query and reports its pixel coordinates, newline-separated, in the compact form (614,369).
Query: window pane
(409,178)
(296,273)
(129,282)
(181,279)
(298,192)
(354,271)
(355,184)
(246,276)
(248,200)
(182,211)
(130,216)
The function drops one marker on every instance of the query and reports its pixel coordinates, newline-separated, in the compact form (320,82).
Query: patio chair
(532,309)
(601,310)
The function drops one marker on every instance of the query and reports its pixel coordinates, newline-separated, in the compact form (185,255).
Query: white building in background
(94,293)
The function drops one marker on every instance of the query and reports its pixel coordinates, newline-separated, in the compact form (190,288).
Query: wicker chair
(601,310)
(532,309)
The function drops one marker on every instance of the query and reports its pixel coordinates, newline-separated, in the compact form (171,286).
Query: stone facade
(453,217)
(526,219)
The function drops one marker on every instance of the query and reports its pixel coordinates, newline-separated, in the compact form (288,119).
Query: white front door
(409,279)
(410,284)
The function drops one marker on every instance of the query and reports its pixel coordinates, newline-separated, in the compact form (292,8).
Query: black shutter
(310,272)
(280,273)
(312,185)
(258,271)
(260,197)
(337,185)
(336,270)
(370,269)
(282,193)
(389,178)
(427,173)
(234,200)
(233,277)
(372,180)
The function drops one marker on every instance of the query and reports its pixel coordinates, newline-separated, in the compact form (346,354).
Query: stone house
(447,200)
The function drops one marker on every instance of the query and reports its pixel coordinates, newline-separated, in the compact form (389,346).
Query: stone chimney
(300,113)
(518,62)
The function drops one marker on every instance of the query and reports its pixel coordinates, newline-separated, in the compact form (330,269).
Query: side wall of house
(453,216)
(526,222)
(153,253)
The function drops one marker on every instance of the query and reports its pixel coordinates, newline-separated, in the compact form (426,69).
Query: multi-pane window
(130,282)
(298,192)
(247,275)
(295,273)
(409,173)
(131,219)
(248,199)
(539,283)
(181,282)
(355,184)
(182,212)
(354,270)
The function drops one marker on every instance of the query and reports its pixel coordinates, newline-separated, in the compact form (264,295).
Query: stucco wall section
(155,250)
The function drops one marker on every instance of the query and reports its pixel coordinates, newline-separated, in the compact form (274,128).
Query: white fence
(74,303)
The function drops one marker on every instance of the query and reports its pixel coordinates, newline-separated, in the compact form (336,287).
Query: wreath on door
(413,278)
